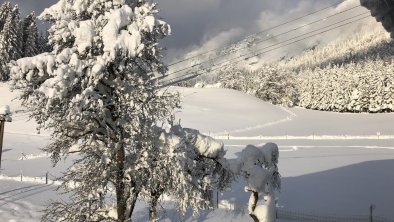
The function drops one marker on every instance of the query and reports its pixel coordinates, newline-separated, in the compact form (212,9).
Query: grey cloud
(203,24)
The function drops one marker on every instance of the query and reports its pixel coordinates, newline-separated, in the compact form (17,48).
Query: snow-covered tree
(10,42)
(258,166)
(30,36)
(95,91)
(188,167)
(5,10)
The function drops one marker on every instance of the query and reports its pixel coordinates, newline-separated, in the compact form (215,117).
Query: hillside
(351,75)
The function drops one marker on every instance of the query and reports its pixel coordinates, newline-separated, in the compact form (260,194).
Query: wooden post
(46,178)
(1,137)
(217,199)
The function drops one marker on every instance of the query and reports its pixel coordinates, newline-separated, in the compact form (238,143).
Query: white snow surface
(327,177)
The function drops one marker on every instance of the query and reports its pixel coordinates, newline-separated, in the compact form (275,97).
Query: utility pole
(5,116)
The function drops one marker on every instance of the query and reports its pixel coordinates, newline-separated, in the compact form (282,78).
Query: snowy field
(331,163)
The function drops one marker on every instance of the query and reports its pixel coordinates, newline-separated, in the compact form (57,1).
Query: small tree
(95,91)
(188,167)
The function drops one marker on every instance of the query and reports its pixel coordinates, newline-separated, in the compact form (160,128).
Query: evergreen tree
(10,42)
(5,10)
(30,36)
(43,44)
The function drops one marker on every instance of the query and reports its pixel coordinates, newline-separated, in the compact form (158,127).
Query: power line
(174,80)
(265,30)
(264,40)
(266,47)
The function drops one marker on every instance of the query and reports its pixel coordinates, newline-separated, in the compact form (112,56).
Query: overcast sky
(207,24)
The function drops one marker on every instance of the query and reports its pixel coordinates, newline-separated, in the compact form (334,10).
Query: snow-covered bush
(188,167)
(258,166)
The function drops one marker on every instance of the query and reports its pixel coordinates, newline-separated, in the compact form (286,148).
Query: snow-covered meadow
(331,163)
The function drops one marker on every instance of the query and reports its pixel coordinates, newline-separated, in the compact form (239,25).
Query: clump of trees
(361,87)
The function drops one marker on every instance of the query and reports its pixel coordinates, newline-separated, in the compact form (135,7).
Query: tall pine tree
(5,10)
(30,36)
(10,42)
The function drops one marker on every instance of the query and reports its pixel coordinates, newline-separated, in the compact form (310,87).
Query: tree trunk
(134,198)
(120,184)
(252,204)
(153,207)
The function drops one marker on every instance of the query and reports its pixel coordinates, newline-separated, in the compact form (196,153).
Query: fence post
(228,136)
(21,176)
(46,178)
(217,199)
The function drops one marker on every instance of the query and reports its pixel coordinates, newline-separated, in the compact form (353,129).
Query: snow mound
(5,110)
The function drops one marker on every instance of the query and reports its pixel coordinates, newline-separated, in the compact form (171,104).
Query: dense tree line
(18,37)
(355,87)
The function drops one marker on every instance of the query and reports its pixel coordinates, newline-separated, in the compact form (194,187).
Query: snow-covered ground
(331,163)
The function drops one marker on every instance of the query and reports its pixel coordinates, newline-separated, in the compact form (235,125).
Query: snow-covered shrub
(189,167)
(258,166)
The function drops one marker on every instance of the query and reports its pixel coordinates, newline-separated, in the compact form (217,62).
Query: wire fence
(281,213)
(46,178)
(304,216)
(313,136)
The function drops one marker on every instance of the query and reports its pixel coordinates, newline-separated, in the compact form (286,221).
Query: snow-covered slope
(224,111)
(328,176)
